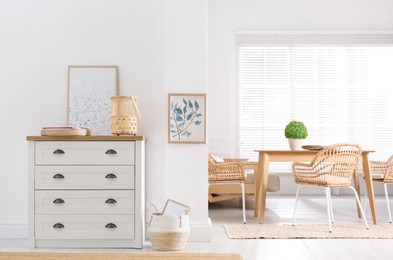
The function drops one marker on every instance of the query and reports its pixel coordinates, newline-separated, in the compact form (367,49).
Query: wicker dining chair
(227,173)
(382,172)
(333,166)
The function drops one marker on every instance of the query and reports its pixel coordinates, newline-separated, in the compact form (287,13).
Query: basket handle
(150,205)
(137,111)
(180,223)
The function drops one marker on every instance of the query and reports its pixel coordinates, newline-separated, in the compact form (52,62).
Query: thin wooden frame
(88,101)
(187,118)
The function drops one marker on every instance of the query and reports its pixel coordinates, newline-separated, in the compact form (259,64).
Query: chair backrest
(390,160)
(219,170)
(213,161)
(389,170)
(338,159)
(382,170)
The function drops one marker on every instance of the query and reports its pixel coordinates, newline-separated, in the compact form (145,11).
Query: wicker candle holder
(125,115)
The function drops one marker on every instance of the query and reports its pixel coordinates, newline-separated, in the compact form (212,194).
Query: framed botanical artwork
(187,118)
(90,89)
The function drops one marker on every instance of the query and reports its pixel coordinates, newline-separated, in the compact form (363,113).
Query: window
(338,85)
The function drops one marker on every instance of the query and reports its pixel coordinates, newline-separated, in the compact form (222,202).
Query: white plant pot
(295,144)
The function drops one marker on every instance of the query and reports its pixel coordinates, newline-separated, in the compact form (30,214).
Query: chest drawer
(84,177)
(84,227)
(84,153)
(84,202)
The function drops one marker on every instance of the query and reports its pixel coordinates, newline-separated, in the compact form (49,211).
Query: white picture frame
(90,89)
(176,208)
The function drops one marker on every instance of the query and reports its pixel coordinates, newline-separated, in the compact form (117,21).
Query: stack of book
(64,131)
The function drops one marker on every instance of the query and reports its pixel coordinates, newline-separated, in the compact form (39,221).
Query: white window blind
(338,85)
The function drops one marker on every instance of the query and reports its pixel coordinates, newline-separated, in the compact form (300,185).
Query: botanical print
(187,118)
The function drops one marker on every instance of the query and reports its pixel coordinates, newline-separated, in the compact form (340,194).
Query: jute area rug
(116,256)
(269,231)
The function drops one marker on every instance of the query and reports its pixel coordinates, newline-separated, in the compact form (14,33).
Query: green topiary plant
(296,130)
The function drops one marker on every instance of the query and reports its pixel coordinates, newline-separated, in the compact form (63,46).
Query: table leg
(263,187)
(257,183)
(356,186)
(370,187)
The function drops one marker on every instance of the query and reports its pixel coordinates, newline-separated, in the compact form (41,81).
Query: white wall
(186,70)
(226,16)
(160,46)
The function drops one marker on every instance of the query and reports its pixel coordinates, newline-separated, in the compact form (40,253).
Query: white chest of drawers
(86,192)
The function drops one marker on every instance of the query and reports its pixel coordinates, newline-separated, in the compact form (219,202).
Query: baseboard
(201,233)
(13,230)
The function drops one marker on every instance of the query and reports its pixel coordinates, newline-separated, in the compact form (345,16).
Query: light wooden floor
(279,210)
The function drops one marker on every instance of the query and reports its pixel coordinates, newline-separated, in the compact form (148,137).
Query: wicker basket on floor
(168,232)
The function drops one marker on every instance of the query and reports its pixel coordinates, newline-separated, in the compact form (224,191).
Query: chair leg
(328,204)
(359,205)
(243,202)
(364,202)
(331,207)
(387,201)
(296,200)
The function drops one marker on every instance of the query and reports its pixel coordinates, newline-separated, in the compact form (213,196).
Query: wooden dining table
(262,173)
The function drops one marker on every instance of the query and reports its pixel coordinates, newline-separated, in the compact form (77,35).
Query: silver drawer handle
(111,151)
(110,201)
(58,176)
(110,176)
(58,225)
(110,225)
(58,201)
(58,151)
